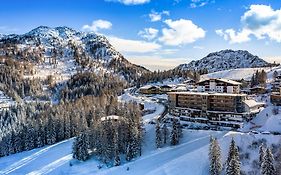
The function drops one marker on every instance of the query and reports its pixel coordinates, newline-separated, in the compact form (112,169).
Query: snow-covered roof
(221,79)
(110,117)
(252,103)
(207,93)
(149,86)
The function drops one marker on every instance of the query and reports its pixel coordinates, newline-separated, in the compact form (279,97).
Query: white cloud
(137,46)
(233,36)
(260,21)
(148,33)
(181,31)
(130,2)
(200,3)
(98,25)
(157,16)
(198,47)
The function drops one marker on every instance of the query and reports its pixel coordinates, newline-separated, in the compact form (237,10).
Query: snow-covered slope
(65,44)
(241,73)
(225,60)
(190,157)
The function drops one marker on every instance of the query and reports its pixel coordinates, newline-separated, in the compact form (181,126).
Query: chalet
(276,84)
(165,88)
(257,90)
(253,106)
(218,85)
(111,117)
(220,109)
(149,89)
(180,88)
(275,98)
(190,84)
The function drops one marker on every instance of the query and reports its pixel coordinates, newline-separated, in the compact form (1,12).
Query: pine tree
(117,160)
(267,167)
(165,132)
(233,160)
(80,147)
(233,168)
(215,157)
(261,154)
(158,138)
(174,133)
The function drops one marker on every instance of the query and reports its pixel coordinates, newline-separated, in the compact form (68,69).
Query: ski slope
(37,161)
(242,73)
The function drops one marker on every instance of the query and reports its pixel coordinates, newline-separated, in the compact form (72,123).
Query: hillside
(225,60)
(63,51)
(241,73)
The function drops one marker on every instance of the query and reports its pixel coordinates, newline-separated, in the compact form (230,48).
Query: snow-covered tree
(233,160)
(215,157)
(261,154)
(80,147)
(117,160)
(158,135)
(233,168)
(267,167)
(174,133)
(165,132)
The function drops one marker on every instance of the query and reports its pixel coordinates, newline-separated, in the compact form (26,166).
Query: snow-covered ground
(190,157)
(5,101)
(242,73)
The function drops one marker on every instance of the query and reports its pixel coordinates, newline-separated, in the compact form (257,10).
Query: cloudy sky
(159,34)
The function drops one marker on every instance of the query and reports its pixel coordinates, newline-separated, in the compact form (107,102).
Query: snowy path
(52,166)
(38,159)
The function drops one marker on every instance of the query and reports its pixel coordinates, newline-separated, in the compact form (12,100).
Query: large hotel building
(216,102)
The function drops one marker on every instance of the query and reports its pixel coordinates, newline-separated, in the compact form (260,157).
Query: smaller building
(149,89)
(276,84)
(219,85)
(180,88)
(165,88)
(275,98)
(110,117)
(258,90)
(253,106)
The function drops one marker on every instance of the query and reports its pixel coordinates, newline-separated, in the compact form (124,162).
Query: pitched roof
(221,79)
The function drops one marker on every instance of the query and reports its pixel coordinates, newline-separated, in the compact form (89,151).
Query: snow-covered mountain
(225,60)
(65,43)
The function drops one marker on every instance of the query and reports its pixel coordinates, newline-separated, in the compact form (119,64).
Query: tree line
(232,166)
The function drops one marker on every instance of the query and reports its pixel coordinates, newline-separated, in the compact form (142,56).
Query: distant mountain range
(67,42)
(225,60)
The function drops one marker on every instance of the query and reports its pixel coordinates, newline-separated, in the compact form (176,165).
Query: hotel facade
(219,109)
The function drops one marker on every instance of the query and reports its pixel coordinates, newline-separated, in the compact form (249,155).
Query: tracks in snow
(28,159)
(52,166)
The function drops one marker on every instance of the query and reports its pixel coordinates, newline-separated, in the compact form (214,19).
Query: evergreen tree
(80,147)
(215,157)
(267,167)
(165,132)
(233,168)
(233,160)
(117,160)
(158,138)
(261,154)
(174,133)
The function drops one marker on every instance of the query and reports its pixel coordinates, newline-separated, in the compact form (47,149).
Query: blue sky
(159,34)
